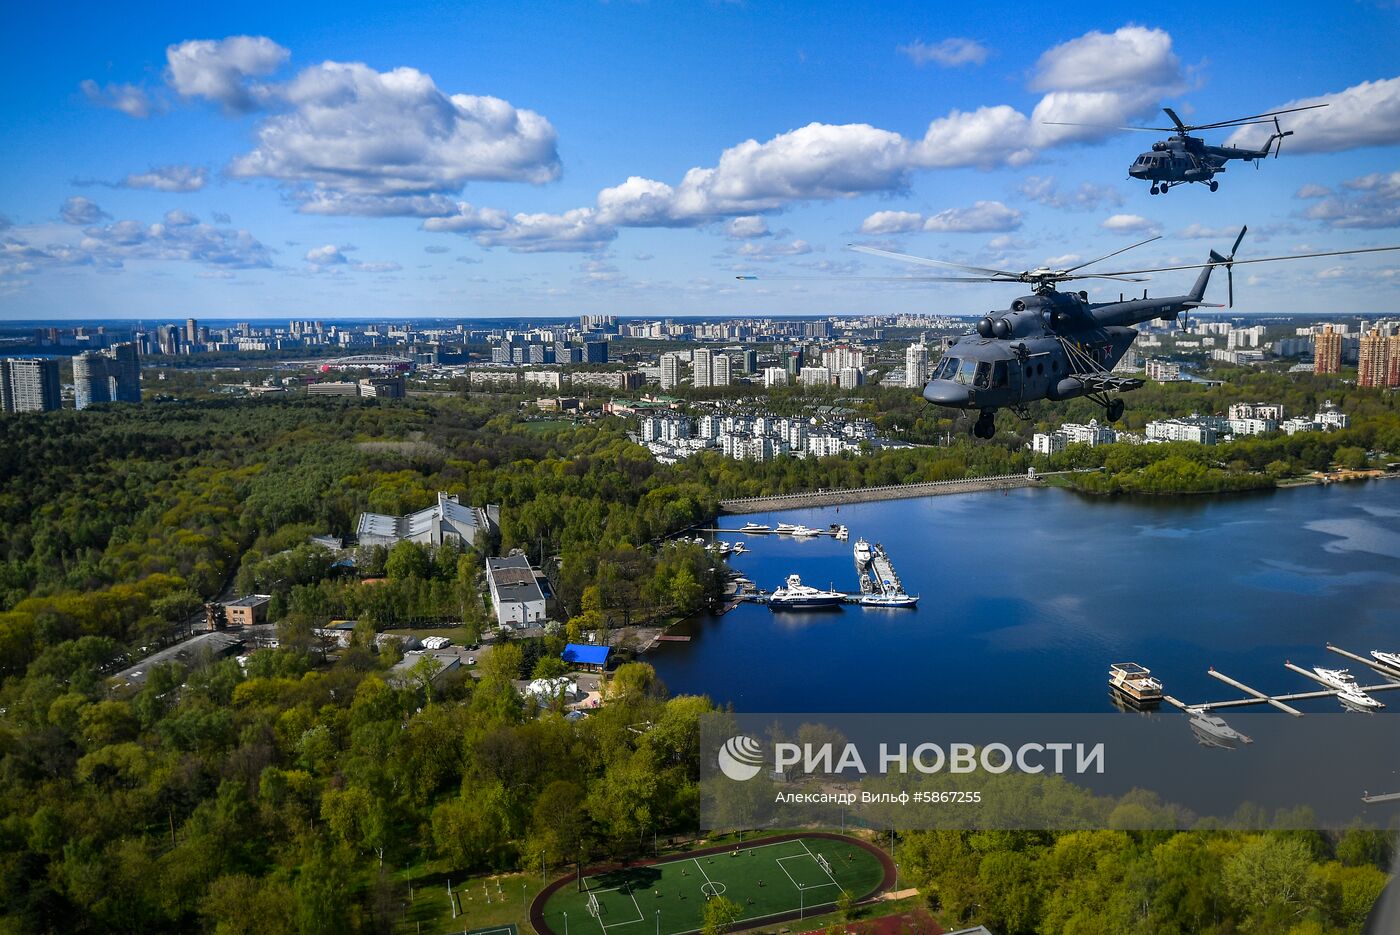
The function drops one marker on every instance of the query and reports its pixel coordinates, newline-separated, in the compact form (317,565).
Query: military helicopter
(1184,158)
(1058,345)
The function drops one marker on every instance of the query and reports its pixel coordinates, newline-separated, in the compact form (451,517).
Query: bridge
(790,501)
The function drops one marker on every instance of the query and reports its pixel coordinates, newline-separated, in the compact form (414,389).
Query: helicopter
(1182,158)
(1058,345)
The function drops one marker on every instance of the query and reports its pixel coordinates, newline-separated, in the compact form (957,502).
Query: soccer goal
(594,909)
(821,862)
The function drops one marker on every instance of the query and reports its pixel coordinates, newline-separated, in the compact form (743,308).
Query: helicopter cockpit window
(967,371)
(984,373)
(946,369)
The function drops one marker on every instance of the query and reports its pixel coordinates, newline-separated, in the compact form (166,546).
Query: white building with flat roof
(1047,443)
(515,591)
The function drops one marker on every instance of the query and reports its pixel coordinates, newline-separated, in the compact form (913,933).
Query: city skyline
(632,160)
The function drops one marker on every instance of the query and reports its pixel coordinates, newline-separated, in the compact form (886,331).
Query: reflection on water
(1027,598)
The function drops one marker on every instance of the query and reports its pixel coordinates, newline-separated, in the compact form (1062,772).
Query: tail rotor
(1229,263)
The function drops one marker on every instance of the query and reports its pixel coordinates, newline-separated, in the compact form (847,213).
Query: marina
(982,640)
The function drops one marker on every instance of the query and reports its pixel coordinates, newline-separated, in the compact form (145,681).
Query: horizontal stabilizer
(1204,304)
(1102,382)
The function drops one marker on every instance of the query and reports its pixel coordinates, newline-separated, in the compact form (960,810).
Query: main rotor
(1042,279)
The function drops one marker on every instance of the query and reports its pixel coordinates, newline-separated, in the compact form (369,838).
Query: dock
(1281,701)
(888,492)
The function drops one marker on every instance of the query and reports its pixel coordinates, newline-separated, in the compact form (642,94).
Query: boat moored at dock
(1135,683)
(794,595)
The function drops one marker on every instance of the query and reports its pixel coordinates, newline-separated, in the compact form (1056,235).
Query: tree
(685,590)
(720,914)
(408,560)
(1272,880)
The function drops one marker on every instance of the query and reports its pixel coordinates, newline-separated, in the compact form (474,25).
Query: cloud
(178,218)
(1130,224)
(358,141)
(1201,232)
(1368,202)
(1312,191)
(219,70)
(221,218)
(982,217)
(576,231)
(747,227)
(127,98)
(466,218)
(330,256)
(766,252)
(436,248)
(176,178)
(109,246)
(1366,114)
(1130,57)
(599,273)
(891,222)
(1086,197)
(80,210)
(950,53)
(469,260)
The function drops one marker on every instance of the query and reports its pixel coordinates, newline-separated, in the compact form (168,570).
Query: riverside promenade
(790,501)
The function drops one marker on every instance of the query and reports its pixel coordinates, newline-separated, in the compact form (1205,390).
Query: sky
(479,159)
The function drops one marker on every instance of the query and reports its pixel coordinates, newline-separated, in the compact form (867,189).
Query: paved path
(891,492)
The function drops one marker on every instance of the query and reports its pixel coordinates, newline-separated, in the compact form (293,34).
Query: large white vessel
(1212,731)
(805,532)
(795,595)
(889,599)
(755,527)
(1340,679)
(1389,660)
(862,552)
(785,528)
(1135,683)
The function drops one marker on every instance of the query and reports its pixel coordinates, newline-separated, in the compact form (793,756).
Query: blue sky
(305,159)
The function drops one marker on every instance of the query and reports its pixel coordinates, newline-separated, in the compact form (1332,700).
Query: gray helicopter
(1182,158)
(1058,345)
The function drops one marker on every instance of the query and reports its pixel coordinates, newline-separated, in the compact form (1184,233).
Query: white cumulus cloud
(127,98)
(1367,202)
(981,217)
(747,227)
(1129,224)
(892,222)
(1366,114)
(220,70)
(80,210)
(177,178)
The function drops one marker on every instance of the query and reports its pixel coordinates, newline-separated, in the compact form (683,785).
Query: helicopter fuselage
(1183,159)
(1044,347)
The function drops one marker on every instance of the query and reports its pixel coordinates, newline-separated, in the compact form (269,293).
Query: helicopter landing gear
(986,424)
(1153,189)
(1214,185)
(1114,410)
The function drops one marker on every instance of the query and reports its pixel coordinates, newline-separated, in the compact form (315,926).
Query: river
(1027,596)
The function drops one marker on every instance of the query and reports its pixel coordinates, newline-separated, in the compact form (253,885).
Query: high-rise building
(719,370)
(1373,364)
(700,368)
(168,339)
(595,352)
(1327,351)
(32,384)
(916,365)
(751,361)
(775,376)
(1392,370)
(670,371)
(113,374)
(191,332)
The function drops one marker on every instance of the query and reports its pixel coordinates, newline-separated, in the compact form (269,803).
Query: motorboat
(785,529)
(794,595)
(1212,731)
(840,532)
(1135,682)
(1340,679)
(1389,660)
(1356,699)
(805,532)
(738,548)
(755,527)
(863,552)
(889,599)
(725,548)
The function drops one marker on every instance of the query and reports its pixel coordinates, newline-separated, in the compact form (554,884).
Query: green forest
(295,792)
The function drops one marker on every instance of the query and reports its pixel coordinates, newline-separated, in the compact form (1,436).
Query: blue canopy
(584,654)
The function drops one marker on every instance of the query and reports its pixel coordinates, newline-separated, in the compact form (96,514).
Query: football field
(765,878)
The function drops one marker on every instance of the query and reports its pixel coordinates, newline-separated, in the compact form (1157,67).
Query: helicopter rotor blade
(925,261)
(1181,127)
(1107,126)
(1236,247)
(1252,117)
(1114,253)
(870,279)
(1262,259)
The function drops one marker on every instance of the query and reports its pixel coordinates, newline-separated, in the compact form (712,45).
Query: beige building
(1327,351)
(247,611)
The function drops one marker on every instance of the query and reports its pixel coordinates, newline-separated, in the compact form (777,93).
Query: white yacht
(1389,660)
(1353,697)
(739,548)
(755,527)
(785,528)
(841,533)
(863,553)
(1212,731)
(805,532)
(1340,679)
(795,595)
(889,599)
